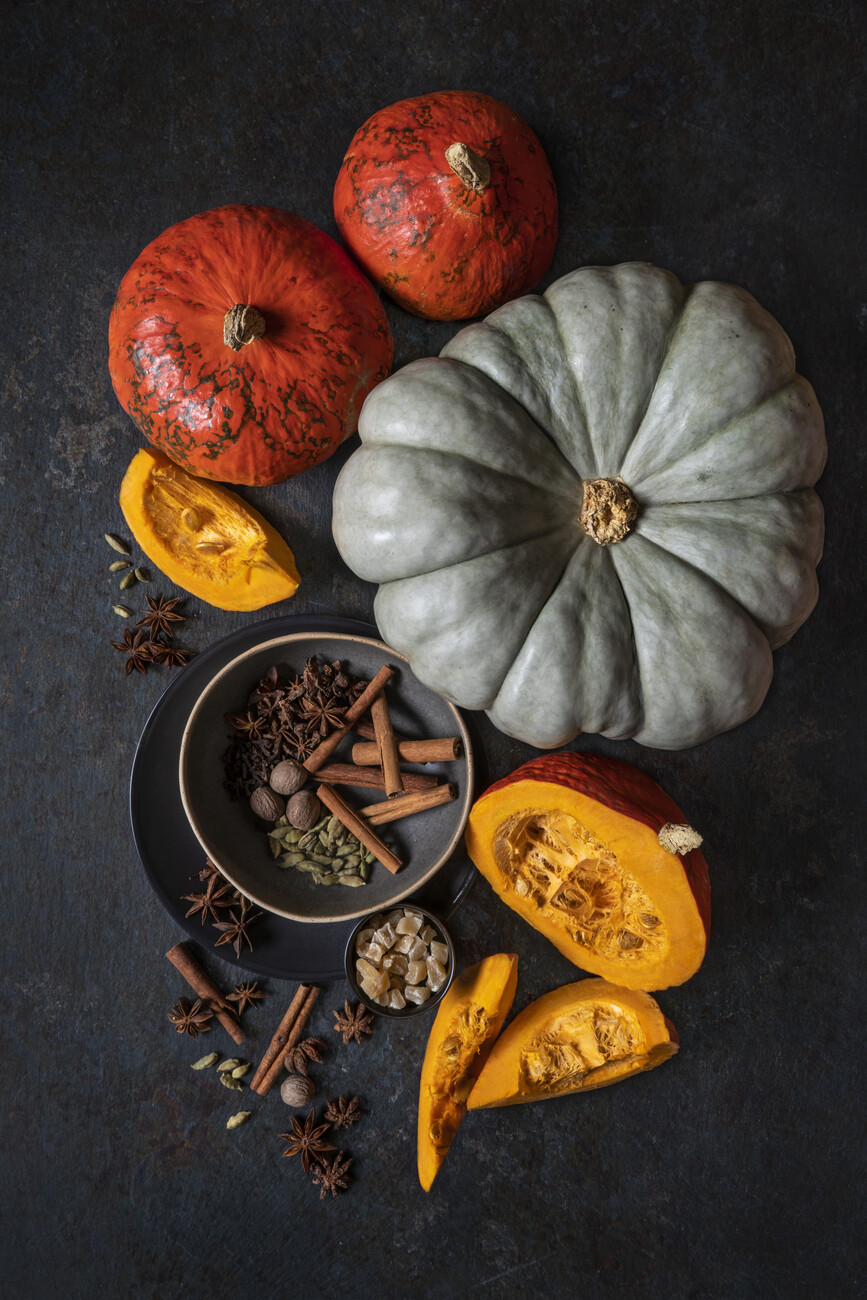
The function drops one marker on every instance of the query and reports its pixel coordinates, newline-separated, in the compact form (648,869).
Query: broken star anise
(312,1049)
(137,650)
(307,1139)
(353,1022)
(234,931)
(191,1018)
(246,995)
(162,612)
(333,1175)
(163,652)
(344,1112)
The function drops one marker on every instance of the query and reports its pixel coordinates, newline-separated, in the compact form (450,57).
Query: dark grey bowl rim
(392,1013)
(213,852)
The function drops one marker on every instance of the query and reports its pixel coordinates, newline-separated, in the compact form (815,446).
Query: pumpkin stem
(608,510)
(679,839)
(469,166)
(242,324)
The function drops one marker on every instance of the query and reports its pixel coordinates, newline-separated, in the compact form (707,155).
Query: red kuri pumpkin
(243,342)
(448,203)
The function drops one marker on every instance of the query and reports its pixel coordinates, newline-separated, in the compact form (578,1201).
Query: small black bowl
(411,1008)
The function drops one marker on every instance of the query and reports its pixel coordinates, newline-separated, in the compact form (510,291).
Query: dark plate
(170,852)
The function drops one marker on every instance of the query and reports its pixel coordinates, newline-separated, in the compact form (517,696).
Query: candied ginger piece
(409,925)
(417,950)
(396,1000)
(440,952)
(385,936)
(416,972)
(363,939)
(375,953)
(436,974)
(404,944)
(395,916)
(417,993)
(381,1000)
(427,933)
(395,962)
(364,970)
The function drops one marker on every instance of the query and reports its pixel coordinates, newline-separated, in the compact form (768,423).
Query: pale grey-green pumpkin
(463,503)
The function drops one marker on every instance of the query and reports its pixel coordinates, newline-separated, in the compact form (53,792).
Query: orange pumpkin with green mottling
(448,203)
(243,342)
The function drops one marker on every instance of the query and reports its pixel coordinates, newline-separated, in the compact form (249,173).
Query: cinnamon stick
(347,774)
(288,1032)
(386,742)
(436,750)
(359,828)
(205,988)
(391,810)
(372,691)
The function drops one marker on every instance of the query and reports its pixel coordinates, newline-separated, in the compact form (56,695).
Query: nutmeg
(303,810)
(296,1090)
(288,777)
(266,804)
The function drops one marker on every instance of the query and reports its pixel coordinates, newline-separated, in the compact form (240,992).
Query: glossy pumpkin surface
(204,537)
(449,234)
(467,1022)
(594,511)
(246,412)
(580,1037)
(571,842)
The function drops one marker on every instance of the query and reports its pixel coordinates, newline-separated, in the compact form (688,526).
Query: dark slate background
(717,139)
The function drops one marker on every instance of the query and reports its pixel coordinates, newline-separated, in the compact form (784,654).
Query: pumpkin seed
(118,565)
(241,1117)
(211,548)
(241,1070)
(229,1064)
(191,519)
(142,575)
(122,611)
(205,1062)
(127,581)
(117,544)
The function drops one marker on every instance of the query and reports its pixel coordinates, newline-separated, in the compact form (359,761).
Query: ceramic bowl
(411,1009)
(233,838)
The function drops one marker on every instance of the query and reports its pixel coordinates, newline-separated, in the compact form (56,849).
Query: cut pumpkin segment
(598,858)
(468,1020)
(205,538)
(582,1036)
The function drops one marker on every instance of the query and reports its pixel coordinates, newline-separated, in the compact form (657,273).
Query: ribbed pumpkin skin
(439,248)
(624,789)
(282,403)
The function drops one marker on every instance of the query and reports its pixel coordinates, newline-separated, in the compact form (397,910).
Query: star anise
(246,995)
(217,896)
(234,931)
(312,1049)
(191,1018)
(307,1139)
(246,724)
(161,614)
(163,652)
(137,649)
(321,715)
(344,1112)
(333,1176)
(353,1022)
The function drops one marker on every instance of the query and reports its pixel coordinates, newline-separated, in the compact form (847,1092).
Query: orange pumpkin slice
(204,537)
(582,1036)
(468,1020)
(599,859)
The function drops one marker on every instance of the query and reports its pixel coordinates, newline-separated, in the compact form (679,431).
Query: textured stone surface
(720,140)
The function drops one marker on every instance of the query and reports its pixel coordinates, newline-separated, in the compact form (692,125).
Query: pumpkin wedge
(599,859)
(579,1037)
(204,537)
(468,1020)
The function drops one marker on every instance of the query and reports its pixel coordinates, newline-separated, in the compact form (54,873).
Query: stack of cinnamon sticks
(376,765)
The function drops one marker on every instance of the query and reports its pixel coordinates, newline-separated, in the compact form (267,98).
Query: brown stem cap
(608,510)
(469,166)
(242,324)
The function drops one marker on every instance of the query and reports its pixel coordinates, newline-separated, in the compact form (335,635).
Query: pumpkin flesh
(204,537)
(467,1022)
(580,1037)
(571,843)
(278,404)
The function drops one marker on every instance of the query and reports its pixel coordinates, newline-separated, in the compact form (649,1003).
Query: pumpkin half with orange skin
(580,1037)
(448,203)
(243,342)
(599,859)
(468,1020)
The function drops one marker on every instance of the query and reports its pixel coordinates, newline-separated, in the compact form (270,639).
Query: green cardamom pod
(143,575)
(228,1082)
(241,1070)
(205,1062)
(116,544)
(364,870)
(230,1064)
(241,1117)
(118,565)
(352,881)
(122,611)
(127,581)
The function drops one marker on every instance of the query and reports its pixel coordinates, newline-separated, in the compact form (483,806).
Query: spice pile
(219,896)
(155,645)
